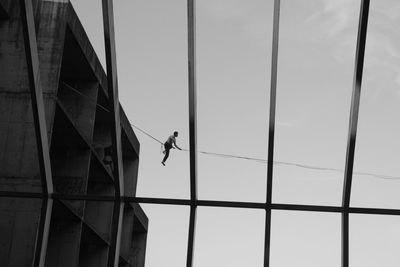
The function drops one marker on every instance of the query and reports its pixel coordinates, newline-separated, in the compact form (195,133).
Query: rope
(263,161)
(292,164)
(149,135)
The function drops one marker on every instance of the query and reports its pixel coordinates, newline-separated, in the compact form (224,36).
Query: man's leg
(166,155)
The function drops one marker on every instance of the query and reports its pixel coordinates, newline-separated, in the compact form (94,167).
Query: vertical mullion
(192,98)
(43,232)
(192,227)
(271,131)
(191,17)
(38,111)
(112,84)
(345,239)
(267,240)
(39,120)
(115,244)
(351,141)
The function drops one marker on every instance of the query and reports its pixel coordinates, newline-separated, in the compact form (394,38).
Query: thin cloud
(337,22)
(335,17)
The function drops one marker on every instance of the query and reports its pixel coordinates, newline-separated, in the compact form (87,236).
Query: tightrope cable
(263,161)
(292,164)
(149,135)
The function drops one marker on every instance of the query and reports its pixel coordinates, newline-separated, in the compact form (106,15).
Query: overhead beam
(39,121)
(112,87)
(271,132)
(39,118)
(355,101)
(191,12)
(42,235)
(351,139)
(272,100)
(191,20)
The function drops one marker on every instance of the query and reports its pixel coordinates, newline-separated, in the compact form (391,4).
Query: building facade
(87,223)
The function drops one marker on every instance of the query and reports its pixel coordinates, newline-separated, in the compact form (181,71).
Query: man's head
(176,134)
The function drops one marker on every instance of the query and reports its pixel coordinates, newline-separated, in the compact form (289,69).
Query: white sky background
(315,75)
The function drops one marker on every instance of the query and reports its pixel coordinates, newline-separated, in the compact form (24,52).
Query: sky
(315,77)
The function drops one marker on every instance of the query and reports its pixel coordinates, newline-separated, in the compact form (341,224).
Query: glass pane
(65,234)
(374,240)
(378,146)
(19,220)
(291,185)
(233,65)
(305,239)
(315,74)
(133,236)
(167,235)
(229,237)
(152,71)
(90,14)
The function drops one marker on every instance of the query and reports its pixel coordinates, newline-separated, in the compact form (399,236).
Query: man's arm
(177,146)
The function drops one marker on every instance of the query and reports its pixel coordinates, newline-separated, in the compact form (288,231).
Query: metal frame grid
(119,199)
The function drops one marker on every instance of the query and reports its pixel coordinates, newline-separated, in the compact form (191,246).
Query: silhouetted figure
(107,160)
(170,143)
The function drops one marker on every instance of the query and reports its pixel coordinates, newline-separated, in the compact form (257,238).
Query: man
(170,143)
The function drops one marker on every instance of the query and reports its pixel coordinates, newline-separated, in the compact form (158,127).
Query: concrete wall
(18,152)
(74,85)
(19,220)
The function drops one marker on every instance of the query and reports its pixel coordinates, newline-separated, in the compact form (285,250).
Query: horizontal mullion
(83,197)
(231,204)
(207,203)
(375,211)
(315,208)
(165,201)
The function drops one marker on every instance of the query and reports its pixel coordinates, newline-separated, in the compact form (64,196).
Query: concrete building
(84,225)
